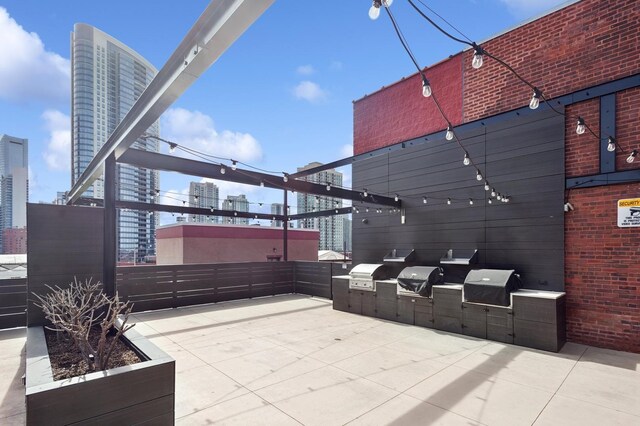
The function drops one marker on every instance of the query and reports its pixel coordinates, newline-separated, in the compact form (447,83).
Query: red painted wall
(582,45)
(399,112)
(191,243)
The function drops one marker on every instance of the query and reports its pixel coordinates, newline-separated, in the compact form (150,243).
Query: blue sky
(279,98)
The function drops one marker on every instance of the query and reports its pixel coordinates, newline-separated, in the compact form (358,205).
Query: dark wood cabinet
(447,307)
(340,289)
(539,319)
(487,322)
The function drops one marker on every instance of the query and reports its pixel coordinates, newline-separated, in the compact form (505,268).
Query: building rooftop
(294,360)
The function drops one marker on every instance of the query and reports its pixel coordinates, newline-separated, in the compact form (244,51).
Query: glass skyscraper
(14,185)
(330,227)
(107,78)
(203,195)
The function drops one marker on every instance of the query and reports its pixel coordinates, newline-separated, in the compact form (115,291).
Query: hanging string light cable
(538,94)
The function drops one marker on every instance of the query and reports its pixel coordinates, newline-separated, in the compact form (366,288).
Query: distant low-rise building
(14,240)
(183,243)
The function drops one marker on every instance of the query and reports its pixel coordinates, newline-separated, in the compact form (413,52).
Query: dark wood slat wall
(13,303)
(171,286)
(523,158)
(63,243)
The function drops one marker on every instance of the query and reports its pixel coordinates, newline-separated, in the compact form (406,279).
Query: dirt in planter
(66,360)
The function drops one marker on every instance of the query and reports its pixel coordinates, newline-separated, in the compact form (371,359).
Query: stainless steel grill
(419,279)
(364,276)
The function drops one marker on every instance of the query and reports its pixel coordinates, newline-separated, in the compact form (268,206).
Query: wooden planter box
(138,393)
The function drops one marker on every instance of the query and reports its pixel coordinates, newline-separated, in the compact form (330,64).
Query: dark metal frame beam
(199,211)
(320,213)
(156,161)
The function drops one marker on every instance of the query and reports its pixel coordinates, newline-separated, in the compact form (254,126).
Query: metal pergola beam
(222,22)
(321,213)
(156,161)
(199,211)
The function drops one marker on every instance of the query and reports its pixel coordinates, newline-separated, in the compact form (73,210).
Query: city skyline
(14,193)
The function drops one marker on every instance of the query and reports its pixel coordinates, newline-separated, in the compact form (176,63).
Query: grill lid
(370,270)
(492,286)
(420,279)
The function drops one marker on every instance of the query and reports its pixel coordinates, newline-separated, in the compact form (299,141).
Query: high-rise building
(107,78)
(277,209)
(14,184)
(236,203)
(203,195)
(330,227)
(61,198)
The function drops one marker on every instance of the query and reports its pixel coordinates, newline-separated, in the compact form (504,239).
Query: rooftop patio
(292,359)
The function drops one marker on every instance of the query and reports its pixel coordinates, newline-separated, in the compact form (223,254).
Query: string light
(172,147)
(396,198)
(424,200)
(426,87)
(611,144)
(449,135)
(498,197)
(478,175)
(486,186)
(478,57)
(285,177)
(535,99)
(223,170)
(449,201)
(262,184)
(365,193)
(328,187)
(466,161)
(374,11)
(490,201)
(470,201)
(632,156)
(493,192)
(580,128)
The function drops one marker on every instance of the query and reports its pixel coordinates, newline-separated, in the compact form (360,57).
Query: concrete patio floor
(294,360)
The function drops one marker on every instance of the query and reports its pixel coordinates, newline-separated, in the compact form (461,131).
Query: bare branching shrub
(78,308)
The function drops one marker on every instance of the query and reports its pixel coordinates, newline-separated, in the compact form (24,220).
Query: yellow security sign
(629,213)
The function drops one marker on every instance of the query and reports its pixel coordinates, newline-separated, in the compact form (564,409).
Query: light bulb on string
(328,187)
(486,186)
(262,184)
(449,135)
(535,99)
(223,170)
(493,192)
(365,193)
(424,200)
(366,210)
(374,11)
(285,177)
(172,147)
(581,127)
(505,199)
(478,175)
(466,161)
(490,201)
(478,58)
(396,198)
(498,197)
(470,201)
(426,87)
(234,164)
(611,144)
(449,201)
(632,156)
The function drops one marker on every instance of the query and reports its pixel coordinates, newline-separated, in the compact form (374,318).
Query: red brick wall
(582,152)
(602,272)
(585,44)
(399,112)
(582,45)
(628,127)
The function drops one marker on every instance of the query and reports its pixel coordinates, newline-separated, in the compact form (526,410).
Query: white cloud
(196,130)
(58,152)
(305,70)
(27,71)
(528,8)
(309,91)
(346,150)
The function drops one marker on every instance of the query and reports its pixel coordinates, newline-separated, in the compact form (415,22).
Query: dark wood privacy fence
(13,303)
(170,286)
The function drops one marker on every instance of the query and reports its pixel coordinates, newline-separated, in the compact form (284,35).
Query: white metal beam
(219,26)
